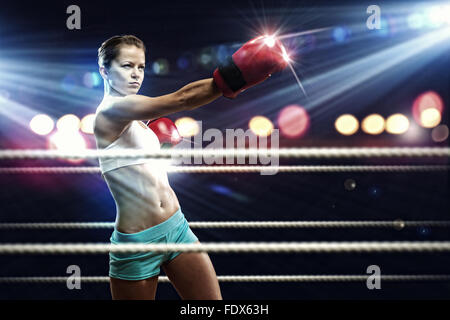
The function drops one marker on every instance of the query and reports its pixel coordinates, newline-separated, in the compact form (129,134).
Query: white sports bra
(138,137)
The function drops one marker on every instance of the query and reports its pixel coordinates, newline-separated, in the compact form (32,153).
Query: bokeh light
(222,53)
(42,124)
(206,58)
(430,118)
(340,34)
(373,124)
(423,231)
(350,184)
(69,141)
(399,224)
(161,66)
(261,126)
(91,79)
(440,133)
(375,191)
(346,124)
(397,124)
(426,100)
(87,124)
(68,123)
(187,127)
(293,121)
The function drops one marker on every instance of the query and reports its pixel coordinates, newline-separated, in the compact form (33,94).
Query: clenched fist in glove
(253,63)
(166,131)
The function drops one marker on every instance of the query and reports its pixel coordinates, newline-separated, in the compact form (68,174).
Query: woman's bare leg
(193,276)
(134,290)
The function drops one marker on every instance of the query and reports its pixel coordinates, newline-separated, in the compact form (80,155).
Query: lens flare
(285,54)
(269,40)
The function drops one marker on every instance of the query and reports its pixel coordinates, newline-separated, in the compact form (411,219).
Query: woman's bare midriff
(143,197)
(142,192)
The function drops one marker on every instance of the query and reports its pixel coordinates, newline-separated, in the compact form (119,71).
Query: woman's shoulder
(107,129)
(107,103)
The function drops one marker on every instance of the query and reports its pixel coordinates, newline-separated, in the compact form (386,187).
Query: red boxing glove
(165,130)
(253,63)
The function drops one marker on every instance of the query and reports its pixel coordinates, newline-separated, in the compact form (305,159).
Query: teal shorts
(143,265)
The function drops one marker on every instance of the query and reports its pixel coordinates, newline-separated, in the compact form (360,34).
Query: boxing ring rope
(396,224)
(238,169)
(244,278)
(234,247)
(356,152)
(238,247)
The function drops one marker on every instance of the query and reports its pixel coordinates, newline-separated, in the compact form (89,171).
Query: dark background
(34,35)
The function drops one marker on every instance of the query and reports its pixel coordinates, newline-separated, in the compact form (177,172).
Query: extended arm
(139,107)
(253,63)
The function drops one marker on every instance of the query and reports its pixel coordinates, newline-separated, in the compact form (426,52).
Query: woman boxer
(148,210)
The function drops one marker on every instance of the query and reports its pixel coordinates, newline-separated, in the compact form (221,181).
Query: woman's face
(126,73)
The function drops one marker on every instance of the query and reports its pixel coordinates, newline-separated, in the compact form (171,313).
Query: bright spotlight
(261,126)
(269,40)
(446,12)
(435,16)
(42,124)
